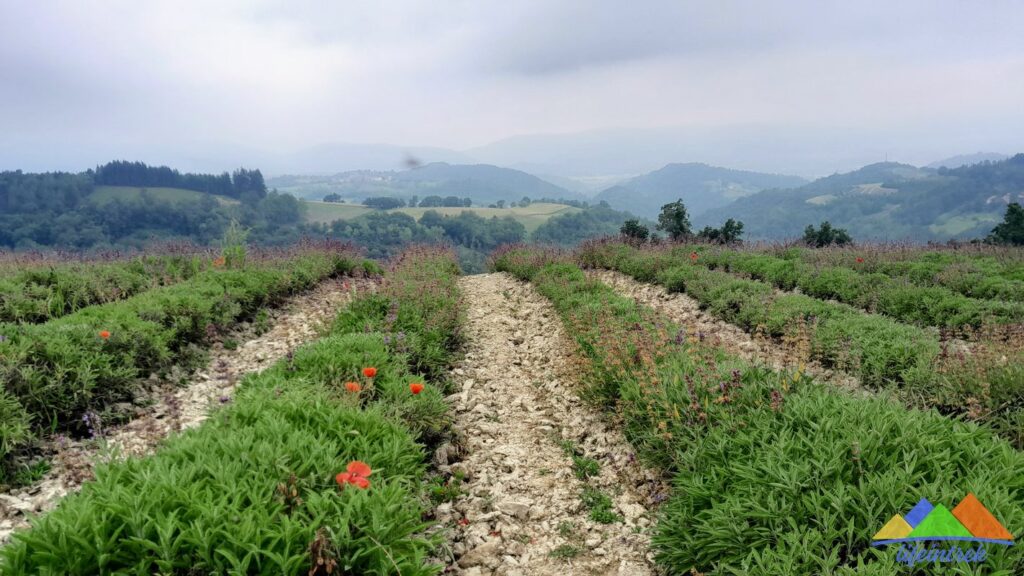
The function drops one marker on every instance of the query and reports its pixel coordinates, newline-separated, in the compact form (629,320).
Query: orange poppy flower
(357,474)
(416,387)
(860,260)
(352,386)
(104,334)
(693,256)
(369,372)
(218,262)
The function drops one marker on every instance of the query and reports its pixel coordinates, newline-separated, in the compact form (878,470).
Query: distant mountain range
(700,186)
(968,159)
(483,183)
(886,201)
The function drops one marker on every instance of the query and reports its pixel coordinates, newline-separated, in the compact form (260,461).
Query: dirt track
(521,512)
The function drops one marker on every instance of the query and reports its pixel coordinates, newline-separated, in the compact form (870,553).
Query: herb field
(546,418)
(316,466)
(773,473)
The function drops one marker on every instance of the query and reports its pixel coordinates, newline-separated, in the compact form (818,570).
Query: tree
(413,201)
(826,235)
(634,230)
(384,202)
(452,201)
(1011,229)
(674,220)
(525,201)
(729,233)
(467,202)
(332,198)
(432,202)
(500,203)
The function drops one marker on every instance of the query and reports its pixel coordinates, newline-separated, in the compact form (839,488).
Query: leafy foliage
(825,235)
(874,292)
(674,221)
(1011,229)
(927,370)
(634,230)
(729,233)
(774,474)
(253,489)
(93,358)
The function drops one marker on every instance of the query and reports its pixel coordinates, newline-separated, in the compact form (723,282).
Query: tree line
(242,184)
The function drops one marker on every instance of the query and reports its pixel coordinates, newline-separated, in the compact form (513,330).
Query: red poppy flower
(415,387)
(352,386)
(369,372)
(860,260)
(693,256)
(104,334)
(357,474)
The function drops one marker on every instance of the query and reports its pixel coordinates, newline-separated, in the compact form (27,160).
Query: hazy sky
(80,80)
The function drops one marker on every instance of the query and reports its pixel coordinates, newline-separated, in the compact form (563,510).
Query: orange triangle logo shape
(978,520)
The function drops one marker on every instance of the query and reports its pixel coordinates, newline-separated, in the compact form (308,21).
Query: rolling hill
(701,187)
(530,217)
(886,201)
(484,184)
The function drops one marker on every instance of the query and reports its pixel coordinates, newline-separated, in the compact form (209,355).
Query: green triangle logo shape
(940,523)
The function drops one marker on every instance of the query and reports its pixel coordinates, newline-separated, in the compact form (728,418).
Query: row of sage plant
(881,351)
(989,272)
(985,385)
(772,472)
(40,293)
(857,285)
(315,467)
(56,372)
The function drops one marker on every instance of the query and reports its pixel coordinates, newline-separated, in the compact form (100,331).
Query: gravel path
(685,311)
(519,420)
(177,408)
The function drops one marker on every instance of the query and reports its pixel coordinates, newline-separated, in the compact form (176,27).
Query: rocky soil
(180,407)
(519,420)
(685,311)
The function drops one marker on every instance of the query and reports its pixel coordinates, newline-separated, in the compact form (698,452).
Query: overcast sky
(79,80)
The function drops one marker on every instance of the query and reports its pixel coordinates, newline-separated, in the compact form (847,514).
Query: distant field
(104,194)
(531,216)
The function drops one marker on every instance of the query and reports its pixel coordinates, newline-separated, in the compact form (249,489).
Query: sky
(200,82)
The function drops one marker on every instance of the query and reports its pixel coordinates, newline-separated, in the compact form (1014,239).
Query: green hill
(886,201)
(530,216)
(701,187)
(483,184)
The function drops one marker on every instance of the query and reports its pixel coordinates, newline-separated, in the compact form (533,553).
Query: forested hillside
(483,184)
(52,209)
(701,188)
(887,201)
(129,205)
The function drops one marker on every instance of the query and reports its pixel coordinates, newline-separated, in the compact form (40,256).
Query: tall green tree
(1011,229)
(634,230)
(826,235)
(674,220)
